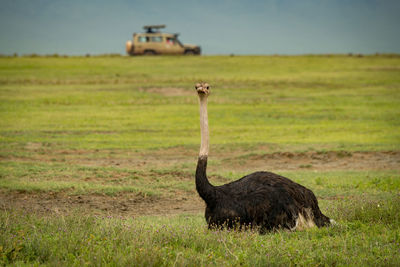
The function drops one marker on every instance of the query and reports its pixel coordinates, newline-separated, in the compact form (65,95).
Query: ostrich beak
(202,88)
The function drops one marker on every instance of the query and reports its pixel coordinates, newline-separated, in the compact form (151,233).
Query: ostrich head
(203,89)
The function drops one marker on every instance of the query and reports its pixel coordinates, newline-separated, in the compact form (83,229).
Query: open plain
(97,157)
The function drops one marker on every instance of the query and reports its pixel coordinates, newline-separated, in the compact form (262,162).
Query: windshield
(179,42)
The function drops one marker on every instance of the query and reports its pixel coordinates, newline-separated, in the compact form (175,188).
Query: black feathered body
(262,199)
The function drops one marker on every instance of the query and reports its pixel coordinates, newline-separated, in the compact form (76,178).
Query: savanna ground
(97,157)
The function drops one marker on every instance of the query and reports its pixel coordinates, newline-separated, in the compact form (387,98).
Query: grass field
(97,157)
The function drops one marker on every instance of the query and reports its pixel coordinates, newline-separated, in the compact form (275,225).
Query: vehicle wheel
(149,53)
(189,52)
(129,48)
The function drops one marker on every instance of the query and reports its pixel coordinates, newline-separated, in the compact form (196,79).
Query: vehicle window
(143,39)
(170,40)
(178,42)
(157,39)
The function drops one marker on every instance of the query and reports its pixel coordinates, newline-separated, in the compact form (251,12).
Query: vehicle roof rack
(151,28)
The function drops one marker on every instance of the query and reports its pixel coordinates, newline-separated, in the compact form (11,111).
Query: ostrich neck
(203,186)
(204,147)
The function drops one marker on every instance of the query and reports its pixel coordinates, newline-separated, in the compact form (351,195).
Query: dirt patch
(33,146)
(178,162)
(238,161)
(332,160)
(169,91)
(384,68)
(126,205)
(235,160)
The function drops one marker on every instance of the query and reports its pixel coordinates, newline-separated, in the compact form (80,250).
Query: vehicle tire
(129,48)
(189,52)
(149,53)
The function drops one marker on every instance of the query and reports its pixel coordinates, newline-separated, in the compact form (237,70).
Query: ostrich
(262,199)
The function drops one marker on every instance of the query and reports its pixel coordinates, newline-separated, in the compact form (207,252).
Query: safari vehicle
(154,42)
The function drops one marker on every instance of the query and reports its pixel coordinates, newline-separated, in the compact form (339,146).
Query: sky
(78,27)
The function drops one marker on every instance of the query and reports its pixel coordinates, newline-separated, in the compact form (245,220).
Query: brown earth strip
(388,160)
(233,161)
(131,205)
(125,205)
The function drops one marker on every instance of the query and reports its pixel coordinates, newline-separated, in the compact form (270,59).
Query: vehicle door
(141,44)
(172,46)
(156,44)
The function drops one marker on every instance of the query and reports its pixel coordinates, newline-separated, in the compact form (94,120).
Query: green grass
(367,234)
(117,126)
(77,179)
(105,103)
(56,177)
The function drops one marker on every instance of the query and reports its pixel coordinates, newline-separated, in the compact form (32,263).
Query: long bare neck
(203,186)
(204,147)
